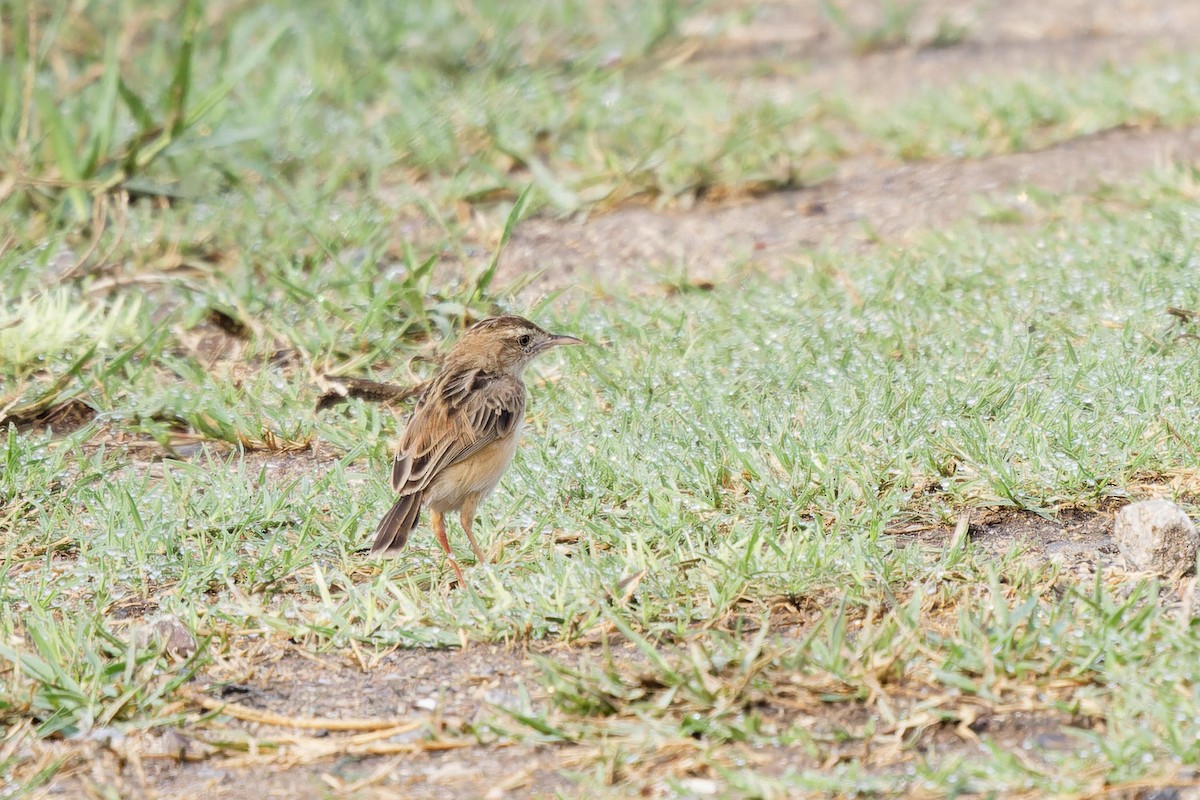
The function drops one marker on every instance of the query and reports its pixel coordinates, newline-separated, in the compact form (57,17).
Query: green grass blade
(63,145)
(484,280)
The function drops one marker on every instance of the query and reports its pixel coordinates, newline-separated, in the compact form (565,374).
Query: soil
(868,200)
(872,198)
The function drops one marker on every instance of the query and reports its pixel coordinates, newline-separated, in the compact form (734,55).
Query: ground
(827,511)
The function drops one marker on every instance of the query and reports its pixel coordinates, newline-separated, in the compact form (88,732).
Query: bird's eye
(525,340)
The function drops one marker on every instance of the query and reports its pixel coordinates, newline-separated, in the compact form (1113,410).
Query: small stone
(700,786)
(175,744)
(450,772)
(1157,536)
(174,636)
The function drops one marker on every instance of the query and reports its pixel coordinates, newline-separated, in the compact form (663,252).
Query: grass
(787,432)
(700,536)
(269,105)
(982,117)
(889,31)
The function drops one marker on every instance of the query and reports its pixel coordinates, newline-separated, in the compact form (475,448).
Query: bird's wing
(462,412)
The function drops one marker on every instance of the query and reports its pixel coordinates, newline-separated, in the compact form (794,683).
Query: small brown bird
(464,431)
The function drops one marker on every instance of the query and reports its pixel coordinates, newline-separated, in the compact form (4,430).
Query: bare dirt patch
(873,200)
(470,773)
(448,695)
(783,48)
(1074,537)
(457,686)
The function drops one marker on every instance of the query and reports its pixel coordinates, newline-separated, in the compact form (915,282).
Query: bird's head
(505,344)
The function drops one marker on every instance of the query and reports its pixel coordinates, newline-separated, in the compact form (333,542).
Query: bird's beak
(560,339)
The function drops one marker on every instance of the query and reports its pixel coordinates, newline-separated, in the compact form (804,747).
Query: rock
(177,641)
(700,786)
(1157,536)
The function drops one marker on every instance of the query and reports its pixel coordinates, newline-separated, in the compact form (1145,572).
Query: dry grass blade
(393,726)
(1185,314)
(17,736)
(377,776)
(626,587)
(962,530)
(295,750)
(325,749)
(270,442)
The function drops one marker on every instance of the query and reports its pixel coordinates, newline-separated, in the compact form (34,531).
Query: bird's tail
(392,531)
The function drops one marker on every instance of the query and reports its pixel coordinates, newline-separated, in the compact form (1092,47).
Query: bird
(463,432)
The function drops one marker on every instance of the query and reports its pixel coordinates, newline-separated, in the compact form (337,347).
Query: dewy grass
(731,448)
(476,106)
(713,458)
(1002,115)
(104,131)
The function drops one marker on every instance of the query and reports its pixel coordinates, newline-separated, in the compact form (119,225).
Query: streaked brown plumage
(464,431)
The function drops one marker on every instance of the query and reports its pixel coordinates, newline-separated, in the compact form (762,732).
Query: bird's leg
(466,516)
(439,532)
